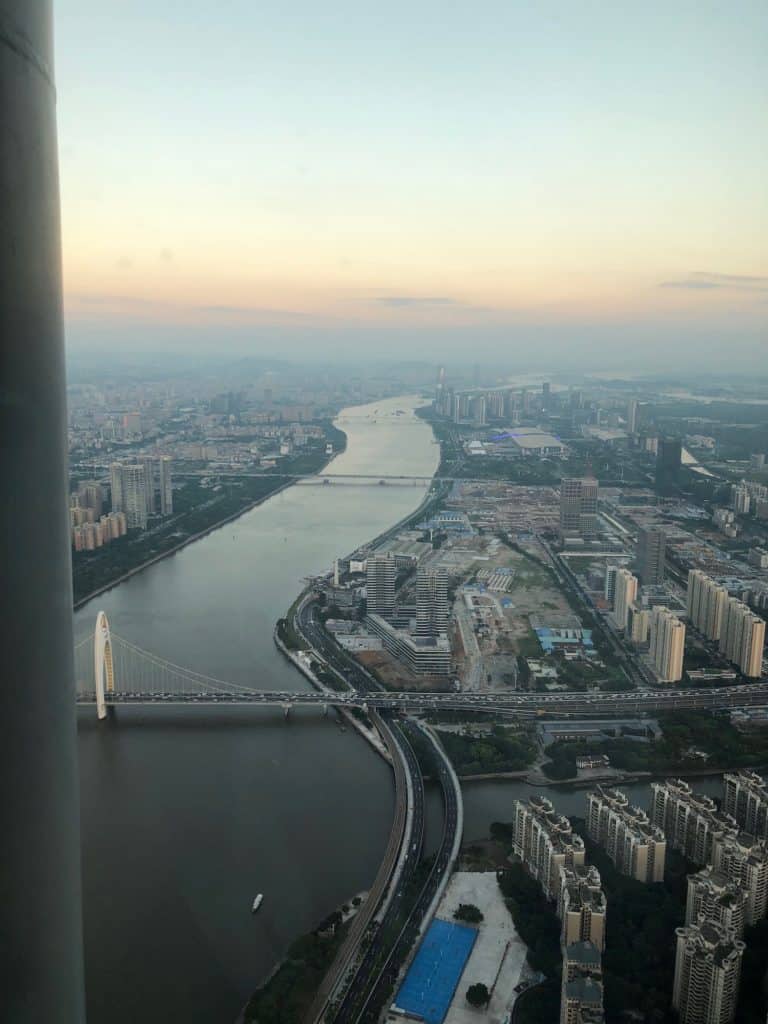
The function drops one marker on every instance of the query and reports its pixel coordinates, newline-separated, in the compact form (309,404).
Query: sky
(582,182)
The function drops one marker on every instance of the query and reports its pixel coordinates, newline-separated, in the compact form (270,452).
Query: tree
(478,994)
(468,912)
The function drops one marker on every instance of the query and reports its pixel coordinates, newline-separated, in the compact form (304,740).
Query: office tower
(431,601)
(713,896)
(632,416)
(626,592)
(668,462)
(706,601)
(166,486)
(545,842)
(757,460)
(380,578)
(639,624)
(578,507)
(651,546)
(610,583)
(546,394)
(742,637)
(581,993)
(707,973)
(667,645)
(456,408)
(581,905)
(745,798)
(690,821)
(637,847)
(743,859)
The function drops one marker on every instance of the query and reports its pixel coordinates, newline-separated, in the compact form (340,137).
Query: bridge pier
(325,710)
(286,711)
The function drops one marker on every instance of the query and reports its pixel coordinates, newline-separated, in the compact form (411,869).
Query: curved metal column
(40,915)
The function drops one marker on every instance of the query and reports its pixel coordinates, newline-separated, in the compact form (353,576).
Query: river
(188,813)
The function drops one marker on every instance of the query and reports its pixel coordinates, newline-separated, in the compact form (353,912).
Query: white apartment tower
(742,637)
(707,973)
(667,645)
(706,604)
(745,798)
(624,596)
(713,896)
(690,821)
(546,842)
(636,846)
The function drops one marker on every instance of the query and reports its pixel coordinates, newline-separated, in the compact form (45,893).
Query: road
(359,992)
(441,869)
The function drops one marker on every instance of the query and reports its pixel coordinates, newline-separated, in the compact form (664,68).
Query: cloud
(704,280)
(415,301)
(693,285)
(125,303)
(429,302)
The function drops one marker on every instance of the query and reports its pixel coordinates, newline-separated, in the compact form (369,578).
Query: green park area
(691,740)
(501,749)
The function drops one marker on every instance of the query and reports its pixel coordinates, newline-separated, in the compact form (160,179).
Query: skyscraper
(134,496)
(150,488)
(745,798)
(380,578)
(667,645)
(707,973)
(651,546)
(668,462)
(632,416)
(625,594)
(116,486)
(578,507)
(431,601)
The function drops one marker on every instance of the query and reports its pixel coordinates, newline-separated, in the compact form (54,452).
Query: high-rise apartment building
(134,494)
(609,591)
(578,507)
(431,601)
(706,601)
(744,859)
(740,499)
(667,645)
(166,485)
(636,846)
(581,905)
(624,596)
(545,842)
(707,974)
(129,493)
(639,624)
(690,821)
(745,799)
(713,896)
(91,495)
(581,994)
(742,637)
(632,416)
(150,483)
(380,579)
(651,548)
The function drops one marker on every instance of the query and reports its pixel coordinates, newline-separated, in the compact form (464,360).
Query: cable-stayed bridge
(112,671)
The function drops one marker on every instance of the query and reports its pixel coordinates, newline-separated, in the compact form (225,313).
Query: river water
(187,814)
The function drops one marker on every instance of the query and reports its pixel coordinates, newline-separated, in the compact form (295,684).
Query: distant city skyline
(578,184)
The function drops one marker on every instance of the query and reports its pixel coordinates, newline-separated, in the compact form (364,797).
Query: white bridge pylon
(103,664)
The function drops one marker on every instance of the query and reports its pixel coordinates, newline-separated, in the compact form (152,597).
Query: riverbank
(216,524)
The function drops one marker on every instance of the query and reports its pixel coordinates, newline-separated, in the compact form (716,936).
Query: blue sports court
(431,981)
